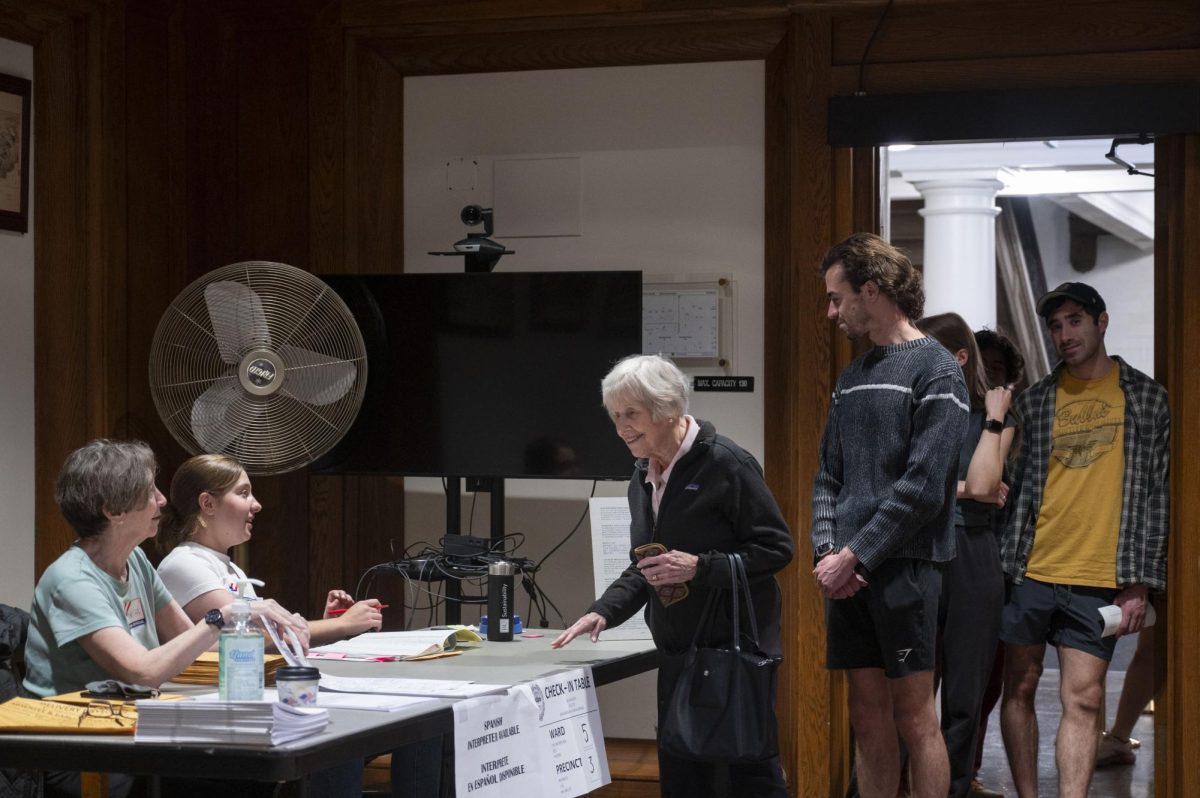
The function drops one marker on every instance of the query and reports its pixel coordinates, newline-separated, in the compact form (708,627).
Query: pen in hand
(343,609)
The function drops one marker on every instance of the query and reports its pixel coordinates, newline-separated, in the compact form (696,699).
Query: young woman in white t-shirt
(211,510)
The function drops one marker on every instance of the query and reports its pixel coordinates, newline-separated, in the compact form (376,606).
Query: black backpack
(14,626)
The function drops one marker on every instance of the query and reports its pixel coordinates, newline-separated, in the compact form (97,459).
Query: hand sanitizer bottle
(240,668)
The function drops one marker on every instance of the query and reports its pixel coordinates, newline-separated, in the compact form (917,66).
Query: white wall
(16,388)
(671,165)
(1124,276)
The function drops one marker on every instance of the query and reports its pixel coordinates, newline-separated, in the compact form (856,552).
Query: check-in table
(351,734)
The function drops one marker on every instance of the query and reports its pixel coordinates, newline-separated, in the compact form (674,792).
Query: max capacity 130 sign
(727,384)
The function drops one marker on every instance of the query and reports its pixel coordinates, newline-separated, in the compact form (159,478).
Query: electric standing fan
(260,361)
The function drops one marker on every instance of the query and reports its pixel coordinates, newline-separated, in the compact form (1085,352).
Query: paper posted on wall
(609,516)
(1110,618)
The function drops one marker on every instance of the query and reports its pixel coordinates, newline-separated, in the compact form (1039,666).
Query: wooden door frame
(798,229)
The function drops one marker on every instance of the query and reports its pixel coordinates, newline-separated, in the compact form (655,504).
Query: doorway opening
(1056,211)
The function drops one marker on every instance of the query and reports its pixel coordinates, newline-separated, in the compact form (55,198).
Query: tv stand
(494,486)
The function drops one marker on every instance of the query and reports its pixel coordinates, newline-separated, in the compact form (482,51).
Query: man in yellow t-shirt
(1088,528)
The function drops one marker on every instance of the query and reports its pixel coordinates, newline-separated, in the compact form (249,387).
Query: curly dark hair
(866,257)
(1014,361)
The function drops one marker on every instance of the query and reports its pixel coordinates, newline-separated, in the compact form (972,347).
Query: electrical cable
(862,65)
(422,562)
(358,588)
(574,529)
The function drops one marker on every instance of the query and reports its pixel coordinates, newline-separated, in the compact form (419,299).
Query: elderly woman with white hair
(700,496)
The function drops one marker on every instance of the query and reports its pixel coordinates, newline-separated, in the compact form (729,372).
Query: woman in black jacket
(699,496)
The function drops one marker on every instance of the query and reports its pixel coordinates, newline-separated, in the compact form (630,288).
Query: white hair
(650,380)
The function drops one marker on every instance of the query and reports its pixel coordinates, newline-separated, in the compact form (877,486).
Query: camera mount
(480,252)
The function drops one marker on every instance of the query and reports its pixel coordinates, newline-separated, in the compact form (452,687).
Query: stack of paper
(251,723)
(429,688)
(205,669)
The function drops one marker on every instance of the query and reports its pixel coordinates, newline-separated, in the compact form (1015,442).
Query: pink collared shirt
(658,482)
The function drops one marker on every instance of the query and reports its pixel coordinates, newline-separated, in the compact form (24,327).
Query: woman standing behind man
(699,495)
(972,583)
(212,509)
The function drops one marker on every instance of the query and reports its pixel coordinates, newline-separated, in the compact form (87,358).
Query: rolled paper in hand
(1110,618)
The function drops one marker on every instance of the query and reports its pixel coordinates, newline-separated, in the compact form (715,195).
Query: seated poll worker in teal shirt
(100,611)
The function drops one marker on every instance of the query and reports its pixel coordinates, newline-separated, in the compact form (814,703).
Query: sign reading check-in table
(542,737)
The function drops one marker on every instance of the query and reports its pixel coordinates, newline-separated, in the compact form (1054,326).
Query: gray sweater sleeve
(828,483)
(928,482)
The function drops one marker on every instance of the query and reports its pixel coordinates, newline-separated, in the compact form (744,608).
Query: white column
(960,247)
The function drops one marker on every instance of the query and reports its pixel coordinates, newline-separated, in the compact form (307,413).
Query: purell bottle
(240,665)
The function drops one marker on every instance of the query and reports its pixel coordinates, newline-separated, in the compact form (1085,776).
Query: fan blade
(315,378)
(220,414)
(238,321)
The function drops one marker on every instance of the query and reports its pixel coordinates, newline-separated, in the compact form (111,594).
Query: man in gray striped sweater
(883,513)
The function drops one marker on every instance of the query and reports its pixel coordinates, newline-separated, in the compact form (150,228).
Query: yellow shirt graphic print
(1079,522)
(1081,449)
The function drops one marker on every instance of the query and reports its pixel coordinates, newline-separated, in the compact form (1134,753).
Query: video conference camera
(481,252)
(472,215)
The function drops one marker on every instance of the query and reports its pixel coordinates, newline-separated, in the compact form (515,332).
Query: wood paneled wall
(176,137)
(1177,336)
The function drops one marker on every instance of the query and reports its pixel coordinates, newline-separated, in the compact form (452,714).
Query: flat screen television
(489,375)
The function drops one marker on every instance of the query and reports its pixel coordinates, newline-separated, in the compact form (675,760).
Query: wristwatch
(992,425)
(215,618)
(823,549)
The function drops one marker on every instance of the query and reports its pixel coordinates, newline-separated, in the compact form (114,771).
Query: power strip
(465,546)
(422,569)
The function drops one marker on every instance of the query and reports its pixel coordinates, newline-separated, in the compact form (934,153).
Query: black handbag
(723,705)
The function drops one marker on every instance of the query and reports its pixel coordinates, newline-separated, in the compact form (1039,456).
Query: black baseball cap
(1082,293)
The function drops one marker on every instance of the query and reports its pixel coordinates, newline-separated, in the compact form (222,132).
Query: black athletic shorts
(1061,615)
(891,623)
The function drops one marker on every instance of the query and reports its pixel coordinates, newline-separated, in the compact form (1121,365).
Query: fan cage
(279,432)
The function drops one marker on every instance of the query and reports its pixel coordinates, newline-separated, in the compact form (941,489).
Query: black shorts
(891,623)
(1062,615)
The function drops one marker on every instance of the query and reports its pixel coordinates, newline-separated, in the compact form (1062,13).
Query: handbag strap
(734,561)
(739,569)
(739,591)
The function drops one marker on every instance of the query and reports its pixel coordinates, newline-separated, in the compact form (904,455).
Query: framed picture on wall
(14,153)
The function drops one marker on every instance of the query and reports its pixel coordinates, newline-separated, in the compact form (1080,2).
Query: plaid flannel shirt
(1145,501)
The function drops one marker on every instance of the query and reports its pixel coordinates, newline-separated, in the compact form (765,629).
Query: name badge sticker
(135,613)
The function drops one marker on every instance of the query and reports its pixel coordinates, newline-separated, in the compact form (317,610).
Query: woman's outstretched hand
(591,624)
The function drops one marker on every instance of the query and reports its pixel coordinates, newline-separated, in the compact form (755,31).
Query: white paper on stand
(542,737)
(1110,617)
(610,557)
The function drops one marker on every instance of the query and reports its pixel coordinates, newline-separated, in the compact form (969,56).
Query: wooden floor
(633,765)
